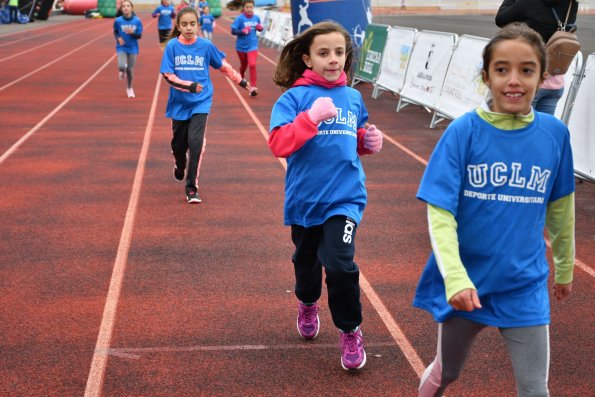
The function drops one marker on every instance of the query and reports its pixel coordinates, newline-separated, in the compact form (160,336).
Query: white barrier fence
(442,72)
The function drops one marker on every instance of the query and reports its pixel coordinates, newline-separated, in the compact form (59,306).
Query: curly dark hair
(291,66)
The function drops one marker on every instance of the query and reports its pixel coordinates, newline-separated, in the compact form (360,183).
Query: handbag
(562,47)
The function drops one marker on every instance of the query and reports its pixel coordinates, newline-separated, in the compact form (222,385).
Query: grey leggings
(126,64)
(528,348)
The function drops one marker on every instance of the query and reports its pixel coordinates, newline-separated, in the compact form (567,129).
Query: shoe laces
(309,313)
(351,339)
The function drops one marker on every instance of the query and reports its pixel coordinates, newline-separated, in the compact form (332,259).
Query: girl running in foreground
(318,124)
(497,177)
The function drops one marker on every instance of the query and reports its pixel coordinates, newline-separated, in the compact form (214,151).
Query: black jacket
(537,14)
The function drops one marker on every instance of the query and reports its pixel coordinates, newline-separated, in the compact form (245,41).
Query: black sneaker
(192,197)
(178,174)
(254,91)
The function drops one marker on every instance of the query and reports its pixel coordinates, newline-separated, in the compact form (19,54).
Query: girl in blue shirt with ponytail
(128,29)
(498,176)
(185,67)
(319,125)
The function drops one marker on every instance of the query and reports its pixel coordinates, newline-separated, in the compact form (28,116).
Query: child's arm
(156,13)
(285,140)
(233,75)
(460,291)
(182,85)
(369,141)
(560,226)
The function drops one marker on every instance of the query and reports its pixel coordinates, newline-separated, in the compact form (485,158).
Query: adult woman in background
(539,16)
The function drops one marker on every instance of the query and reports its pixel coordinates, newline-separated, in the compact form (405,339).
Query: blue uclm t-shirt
(191,63)
(497,184)
(130,43)
(324,177)
(164,21)
(246,43)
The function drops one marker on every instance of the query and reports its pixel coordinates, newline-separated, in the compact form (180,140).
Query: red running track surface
(113,285)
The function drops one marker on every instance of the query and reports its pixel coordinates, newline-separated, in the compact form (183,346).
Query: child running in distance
(318,124)
(166,13)
(245,27)
(128,29)
(185,66)
(498,176)
(207,23)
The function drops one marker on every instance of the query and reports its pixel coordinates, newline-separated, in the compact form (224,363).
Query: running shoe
(178,174)
(308,323)
(353,355)
(254,91)
(130,93)
(192,196)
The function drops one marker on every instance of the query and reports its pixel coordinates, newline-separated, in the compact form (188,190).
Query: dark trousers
(163,35)
(14,14)
(189,136)
(332,246)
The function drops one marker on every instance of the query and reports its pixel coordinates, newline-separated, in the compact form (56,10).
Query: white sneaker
(130,93)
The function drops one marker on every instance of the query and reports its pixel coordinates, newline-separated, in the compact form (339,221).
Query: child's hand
(373,139)
(246,30)
(322,109)
(121,41)
(561,291)
(259,27)
(465,300)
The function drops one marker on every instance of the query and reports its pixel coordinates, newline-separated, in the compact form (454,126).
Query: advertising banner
(354,15)
(370,55)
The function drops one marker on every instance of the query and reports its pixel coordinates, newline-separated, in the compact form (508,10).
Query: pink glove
(373,139)
(246,30)
(259,27)
(322,109)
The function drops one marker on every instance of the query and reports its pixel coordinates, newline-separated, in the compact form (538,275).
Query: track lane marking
(45,44)
(100,355)
(52,62)
(33,130)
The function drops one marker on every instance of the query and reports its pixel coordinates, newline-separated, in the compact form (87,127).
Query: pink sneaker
(353,355)
(308,323)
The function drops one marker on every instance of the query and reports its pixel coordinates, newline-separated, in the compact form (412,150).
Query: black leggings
(332,246)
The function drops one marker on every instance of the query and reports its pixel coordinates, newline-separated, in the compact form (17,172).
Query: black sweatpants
(332,246)
(189,136)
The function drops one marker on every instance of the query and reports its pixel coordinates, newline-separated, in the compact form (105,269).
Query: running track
(113,285)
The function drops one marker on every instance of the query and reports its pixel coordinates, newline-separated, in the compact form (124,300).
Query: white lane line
(33,130)
(135,352)
(395,331)
(25,37)
(99,361)
(52,62)
(45,44)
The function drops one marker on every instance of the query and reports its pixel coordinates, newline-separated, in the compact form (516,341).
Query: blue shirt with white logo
(324,177)
(130,42)
(191,63)
(246,43)
(164,22)
(497,184)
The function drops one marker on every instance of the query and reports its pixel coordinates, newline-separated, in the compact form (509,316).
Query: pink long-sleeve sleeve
(285,140)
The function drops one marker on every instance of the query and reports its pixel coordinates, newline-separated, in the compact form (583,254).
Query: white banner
(427,67)
(463,88)
(396,58)
(582,121)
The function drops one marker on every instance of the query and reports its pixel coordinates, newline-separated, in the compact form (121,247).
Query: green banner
(371,51)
